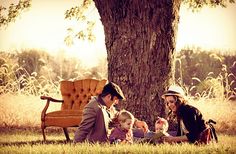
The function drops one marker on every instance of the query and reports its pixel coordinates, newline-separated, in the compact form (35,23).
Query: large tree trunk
(140,41)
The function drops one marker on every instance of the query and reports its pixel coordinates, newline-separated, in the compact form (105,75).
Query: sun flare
(85,51)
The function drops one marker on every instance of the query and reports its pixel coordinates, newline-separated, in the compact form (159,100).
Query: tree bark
(140,41)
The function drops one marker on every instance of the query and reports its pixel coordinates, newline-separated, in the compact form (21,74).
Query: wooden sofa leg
(66,134)
(44,137)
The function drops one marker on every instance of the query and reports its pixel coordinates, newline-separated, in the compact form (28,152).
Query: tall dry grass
(223,112)
(25,111)
(22,110)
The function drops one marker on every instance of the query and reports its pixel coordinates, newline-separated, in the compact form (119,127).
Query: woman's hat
(174,90)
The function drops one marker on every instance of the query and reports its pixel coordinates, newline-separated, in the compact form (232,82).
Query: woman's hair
(124,115)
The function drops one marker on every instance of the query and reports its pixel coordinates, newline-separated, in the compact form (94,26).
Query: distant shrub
(206,73)
(29,60)
(35,72)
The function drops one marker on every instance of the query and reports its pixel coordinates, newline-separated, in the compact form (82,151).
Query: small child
(161,128)
(123,132)
(161,125)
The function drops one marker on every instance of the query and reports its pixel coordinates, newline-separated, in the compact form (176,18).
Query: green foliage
(81,13)
(198,4)
(14,10)
(78,12)
(85,25)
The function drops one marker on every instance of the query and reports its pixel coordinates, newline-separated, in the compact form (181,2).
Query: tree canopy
(14,10)
(79,13)
(198,4)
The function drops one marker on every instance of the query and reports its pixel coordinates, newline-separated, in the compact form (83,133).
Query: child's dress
(119,135)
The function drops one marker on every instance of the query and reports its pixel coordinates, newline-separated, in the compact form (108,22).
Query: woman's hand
(141,124)
(168,139)
(172,139)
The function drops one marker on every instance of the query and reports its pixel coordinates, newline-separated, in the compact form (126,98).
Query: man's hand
(141,124)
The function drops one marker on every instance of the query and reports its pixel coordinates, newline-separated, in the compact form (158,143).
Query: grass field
(30,141)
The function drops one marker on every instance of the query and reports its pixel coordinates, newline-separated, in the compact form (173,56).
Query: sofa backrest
(76,94)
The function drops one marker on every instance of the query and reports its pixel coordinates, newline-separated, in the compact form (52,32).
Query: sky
(43,27)
(210,28)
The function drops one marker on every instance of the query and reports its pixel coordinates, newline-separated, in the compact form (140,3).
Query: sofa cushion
(64,118)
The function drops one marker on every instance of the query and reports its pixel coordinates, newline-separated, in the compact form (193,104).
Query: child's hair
(164,123)
(124,115)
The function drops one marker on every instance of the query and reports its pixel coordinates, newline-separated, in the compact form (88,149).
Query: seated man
(97,115)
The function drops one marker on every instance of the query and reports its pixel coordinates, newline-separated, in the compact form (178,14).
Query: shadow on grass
(37,142)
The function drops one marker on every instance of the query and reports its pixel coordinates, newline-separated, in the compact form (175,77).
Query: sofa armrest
(49,99)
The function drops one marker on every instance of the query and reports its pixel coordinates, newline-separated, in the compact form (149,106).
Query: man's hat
(114,90)
(174,90)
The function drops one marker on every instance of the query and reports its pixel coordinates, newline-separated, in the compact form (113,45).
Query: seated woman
(191,125)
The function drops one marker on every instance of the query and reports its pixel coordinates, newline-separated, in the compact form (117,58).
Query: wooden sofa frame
(75,95)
